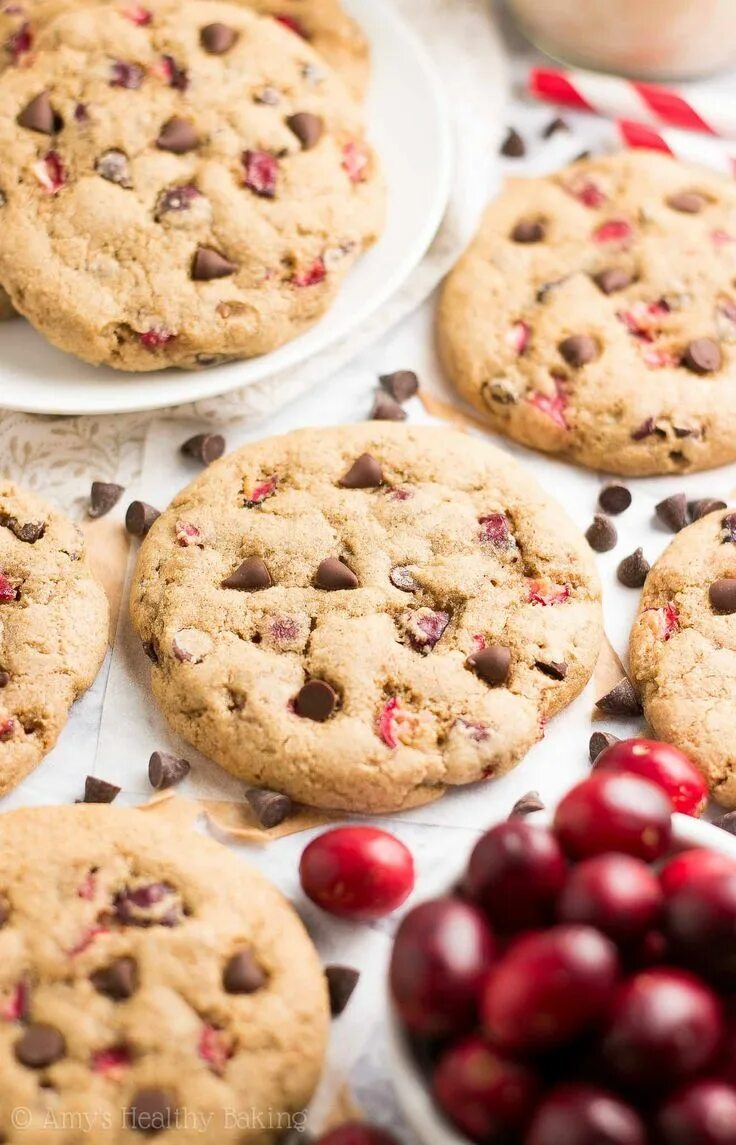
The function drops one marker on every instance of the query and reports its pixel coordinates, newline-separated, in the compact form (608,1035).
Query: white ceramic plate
(410,126)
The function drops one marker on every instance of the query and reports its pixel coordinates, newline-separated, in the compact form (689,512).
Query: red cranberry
(584,1115)
(482,1093)
(515,873)
(439,963)
(703,1113)
(618,895)
(357,872)
(701,925)
(549,988)
(664,1026)
(690,866)
(610,812)
(664,765)
(357,1133)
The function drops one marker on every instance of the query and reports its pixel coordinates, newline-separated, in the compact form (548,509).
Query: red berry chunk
(586,191)
(261,492)
(215,1048)
(293,25)
(111,1062)
(123,74)
(142,17)
(616,232)
(261,173)
(663,621)
(312,275)
(355,161)
(545,592)
(357,872)
(7,590)
(50,172)
(494,530)
(20,43)
(554,406)
(153,339)
(518,337)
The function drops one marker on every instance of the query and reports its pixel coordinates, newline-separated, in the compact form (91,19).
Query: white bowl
(409,1083)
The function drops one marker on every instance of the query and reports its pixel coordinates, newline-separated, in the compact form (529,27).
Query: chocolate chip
(316,701)
(270,808)
(555,125)
(385,408)
(701,508)
(341,981)
(39,115)
(332,575)
(308,128)
(177,135)
(242,974)
(601,535)
(39,1046)
(114,167)
(4,678)
(703,356)
(726,822)
(491,664)
(578,350)
(251,576)
(513,146)
(633,570)
(688,202)
(99,790)
(139,517)
(599,741)
(117,981)
(613,279)
(401,384)
(150,650)
(365,473)
(555,669)
(4,910)
(204,447)
(672,512)
(151,1110)
(165,770)
(621,700)
(209,264)
(528,231)
(722,595)
(527,805)
(29,531)
(614,499)
(103,496)
(217,38)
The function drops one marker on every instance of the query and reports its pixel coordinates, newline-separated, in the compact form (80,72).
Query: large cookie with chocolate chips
(683,648)
(364,616)
(594,315)
(183,187)
(53,628)
(148,982)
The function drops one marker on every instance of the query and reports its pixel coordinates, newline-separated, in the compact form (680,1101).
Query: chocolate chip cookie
(361,617)
(181,188)
(683,648)
(148,983)
(53,628)
(594,315)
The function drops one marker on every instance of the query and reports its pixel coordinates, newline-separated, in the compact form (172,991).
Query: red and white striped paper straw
(694,108)
(686,145)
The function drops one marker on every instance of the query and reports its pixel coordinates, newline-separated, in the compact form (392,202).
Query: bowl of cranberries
(575,982)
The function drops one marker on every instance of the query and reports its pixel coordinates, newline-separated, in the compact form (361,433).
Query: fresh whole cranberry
(700,919)
(584,1115)
(440,960)
(515,874)
(662,764)
(550,987)
(612,812)
(357,1133)
(616,894)
(691,866)
(482,1093)
(703,1113)
(357,872)
(664,1026)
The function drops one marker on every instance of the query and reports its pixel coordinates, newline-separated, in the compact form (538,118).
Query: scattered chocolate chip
(39,1046)
(613,279)
(578,350)
(672,512)
(29,531)
(114,167)
(513,146)
(341,981)
(4,678)
(491,664)
(702,356)
(103,496)
(726,822)
(555,669)
(177,136)
(307,127)
(401,384)
(270,808)
(555,125)
(332,575)
(99,790)
(209,264)
(646,429)
(688,202)
(117,981)
(547,287)
(728,529)
(139,517)
(527,805)
(528,231)
(601,535)
(251,576)
(217,38)
(701,508)
(39,115)
(165,770)
(633,570)
(242,974)
(614,499)
(599,741)
(4,910)
(151,1110)
(622,700)
(722,595)
(385,408)
(204,447)
(150,650)
(152,904)
(365,473)
(316,701)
